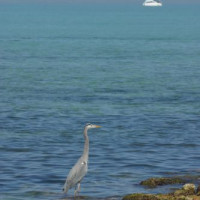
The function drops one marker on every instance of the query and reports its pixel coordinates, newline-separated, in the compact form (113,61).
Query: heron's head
(89,126)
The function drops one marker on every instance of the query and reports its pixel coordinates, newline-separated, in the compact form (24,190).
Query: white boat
(152,3)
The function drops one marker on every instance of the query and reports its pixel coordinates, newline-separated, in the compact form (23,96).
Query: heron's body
(79,170)
(76,174)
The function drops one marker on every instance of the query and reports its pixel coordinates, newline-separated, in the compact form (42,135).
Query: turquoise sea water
(133,70)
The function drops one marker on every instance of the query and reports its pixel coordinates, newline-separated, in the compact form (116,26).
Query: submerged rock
(154,182)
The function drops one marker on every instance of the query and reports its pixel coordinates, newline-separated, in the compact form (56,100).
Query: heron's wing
(77,173)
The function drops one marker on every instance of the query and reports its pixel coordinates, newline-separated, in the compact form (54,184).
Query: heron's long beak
(96,126)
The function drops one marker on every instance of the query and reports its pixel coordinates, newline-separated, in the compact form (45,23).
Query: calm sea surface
(133,70)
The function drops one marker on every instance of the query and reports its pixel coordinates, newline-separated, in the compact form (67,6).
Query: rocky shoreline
(189,191)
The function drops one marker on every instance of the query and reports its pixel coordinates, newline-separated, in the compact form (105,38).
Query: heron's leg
(79,187)
(76,192)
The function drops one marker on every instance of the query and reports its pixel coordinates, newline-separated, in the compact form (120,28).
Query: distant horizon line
(97,1)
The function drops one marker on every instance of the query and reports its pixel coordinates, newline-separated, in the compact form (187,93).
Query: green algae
(187,192)
(140,197)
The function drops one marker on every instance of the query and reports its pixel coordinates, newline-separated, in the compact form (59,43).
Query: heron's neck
(86,145)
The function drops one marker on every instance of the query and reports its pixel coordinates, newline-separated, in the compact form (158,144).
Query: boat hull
(152,4)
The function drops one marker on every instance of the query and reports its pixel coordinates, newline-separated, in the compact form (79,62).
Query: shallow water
(133,70)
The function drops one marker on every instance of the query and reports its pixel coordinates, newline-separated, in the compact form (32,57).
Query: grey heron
(79,170)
